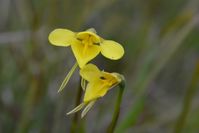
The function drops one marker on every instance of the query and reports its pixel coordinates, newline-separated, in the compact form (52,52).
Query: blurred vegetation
(161,41)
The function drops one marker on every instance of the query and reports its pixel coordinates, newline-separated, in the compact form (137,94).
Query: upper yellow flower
(99,82)
(86,45)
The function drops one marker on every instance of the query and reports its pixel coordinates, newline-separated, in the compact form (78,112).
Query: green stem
(77,102)
(116,113)
(181,121)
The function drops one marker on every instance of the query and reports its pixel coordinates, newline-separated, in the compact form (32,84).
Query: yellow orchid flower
(99,82)
(85,45)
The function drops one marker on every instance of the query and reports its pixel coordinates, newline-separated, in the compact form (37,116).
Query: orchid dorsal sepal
(92,30)
(122,82)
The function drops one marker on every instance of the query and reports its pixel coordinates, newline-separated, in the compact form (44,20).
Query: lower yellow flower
(99,82)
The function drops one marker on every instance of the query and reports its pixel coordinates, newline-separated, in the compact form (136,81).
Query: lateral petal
(62,37)
(111,49)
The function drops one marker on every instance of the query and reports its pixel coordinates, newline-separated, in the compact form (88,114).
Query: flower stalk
(75,118)
(116,113)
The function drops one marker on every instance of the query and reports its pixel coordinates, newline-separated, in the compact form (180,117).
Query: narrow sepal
(68,76)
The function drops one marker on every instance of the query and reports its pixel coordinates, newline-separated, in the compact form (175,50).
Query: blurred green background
(161,65)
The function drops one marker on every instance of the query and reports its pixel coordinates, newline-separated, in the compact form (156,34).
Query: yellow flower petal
(62,37)
(82,56)
(95,90)
(111,49)
(90,72)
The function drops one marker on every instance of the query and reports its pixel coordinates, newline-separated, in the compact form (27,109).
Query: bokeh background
(161,65)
